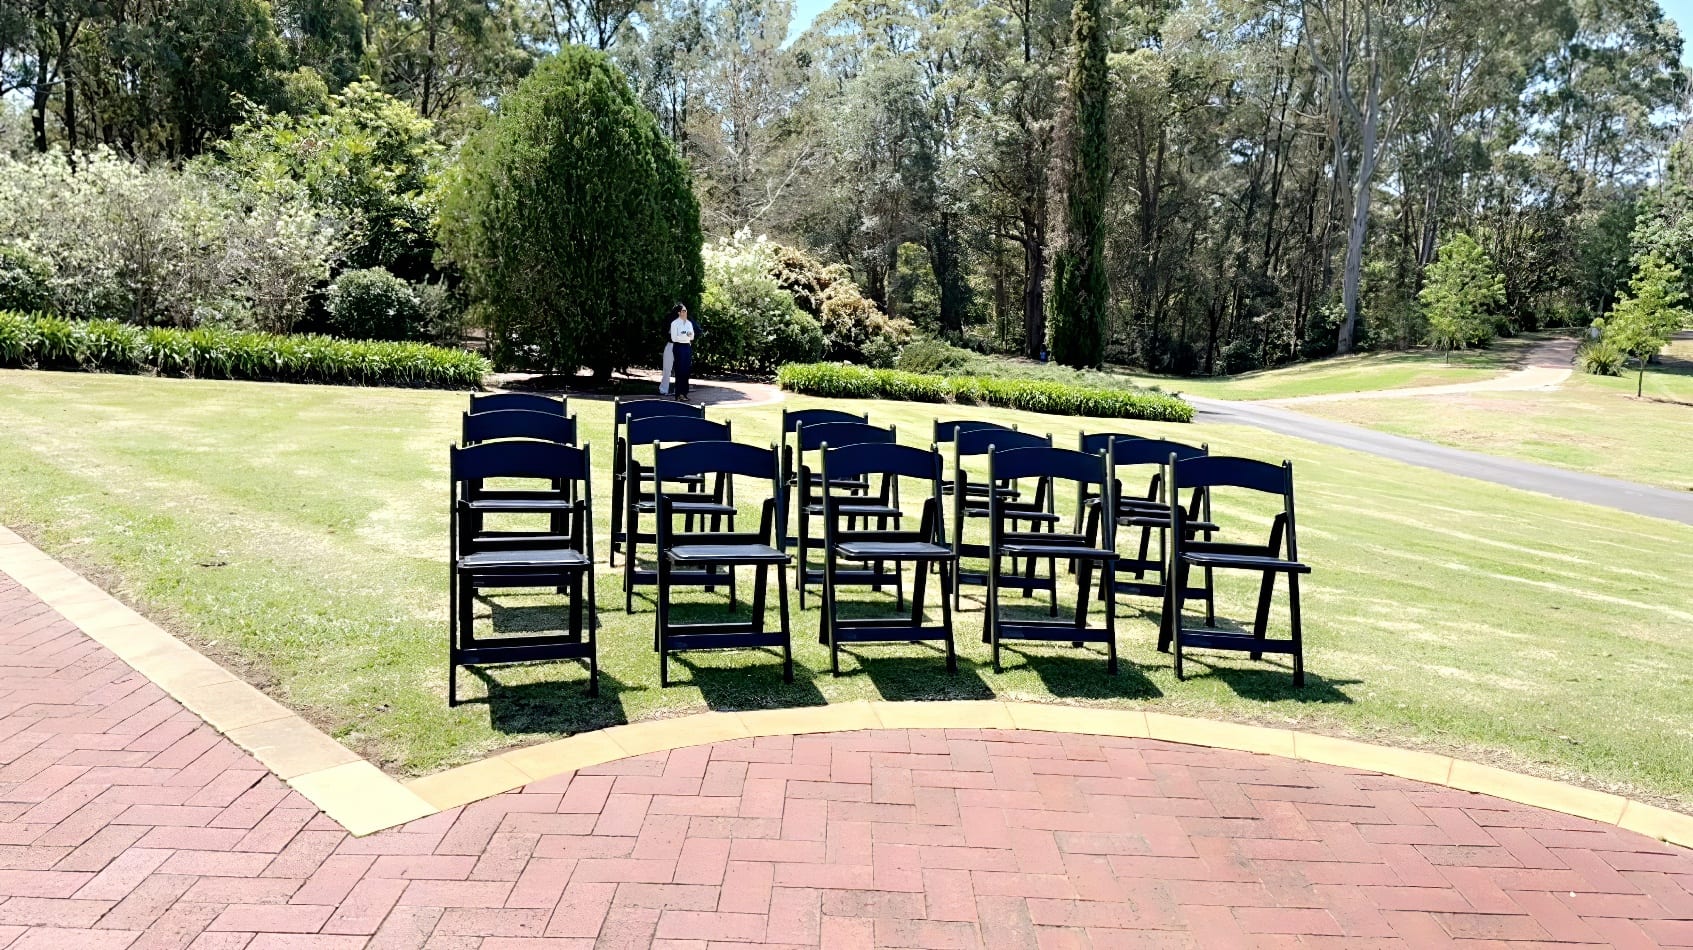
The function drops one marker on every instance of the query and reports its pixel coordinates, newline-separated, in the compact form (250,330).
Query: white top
(681,330)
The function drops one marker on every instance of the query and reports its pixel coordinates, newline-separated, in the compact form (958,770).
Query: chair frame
(737,549)
(1151,514)
(540,460)
(508,401)
(922,547)
(882,504)
(968,499)
(1217,471)
(506,424)
(622,412)
(1049,464)
(792,421)
(715,502)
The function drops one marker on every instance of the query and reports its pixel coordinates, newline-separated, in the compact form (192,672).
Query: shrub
(1601,358)
(152,245)
(373,304)
(366,159)
(46,342)
(574,220)
(934,356)
(836,381)
(747,321)
(857,331)
(25,279)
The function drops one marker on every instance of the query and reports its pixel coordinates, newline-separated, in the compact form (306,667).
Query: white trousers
(669,365)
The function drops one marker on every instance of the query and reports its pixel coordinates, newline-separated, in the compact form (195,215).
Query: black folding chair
(624,411)
(506,424)
(482,560)
(1095,443)
(525,402)
(692,557)
(1142,575)
(970,504)
(1048,465)
(882,505)
(922,548)
(792,420)
(697,502)
(1186,553)
(946,433)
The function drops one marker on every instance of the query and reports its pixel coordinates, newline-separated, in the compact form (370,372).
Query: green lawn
(299,532)
(1361,373)
(1591,423)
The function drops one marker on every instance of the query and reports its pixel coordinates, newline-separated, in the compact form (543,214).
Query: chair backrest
(978,441)
(844,433)
(948,430)
(517,424)
(677,462)
(869,458)
(1228,471)
(525,402)
(1046,462)
(625,410)
(1094,443)
(792,419)
(518,459)
(1154,451)
(673,429)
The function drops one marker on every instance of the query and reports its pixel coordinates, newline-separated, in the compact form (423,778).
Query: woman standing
(682,348)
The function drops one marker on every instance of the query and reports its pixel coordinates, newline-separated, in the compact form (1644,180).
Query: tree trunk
(1034,287)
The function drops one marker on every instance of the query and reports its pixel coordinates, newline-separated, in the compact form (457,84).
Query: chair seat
(725,554)
(537,559)
(893,551)
(537,503)
(1060,549)
(862,511)
(689,507)
(1015,514)
(1245,562)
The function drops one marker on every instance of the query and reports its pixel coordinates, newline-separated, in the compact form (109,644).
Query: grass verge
(299,531)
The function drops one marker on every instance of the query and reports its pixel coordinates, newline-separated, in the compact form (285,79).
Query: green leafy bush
(837,381)
(934,356)
(574,220)
(46,342)
(25,279)
(1601,358)
(747,321)
(372,304)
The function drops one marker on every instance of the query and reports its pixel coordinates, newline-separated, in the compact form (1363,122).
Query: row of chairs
(845,478)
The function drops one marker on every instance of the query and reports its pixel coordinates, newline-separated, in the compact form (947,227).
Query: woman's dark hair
(677,308)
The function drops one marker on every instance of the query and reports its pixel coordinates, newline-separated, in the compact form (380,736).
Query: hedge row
(45,342)
(837,381)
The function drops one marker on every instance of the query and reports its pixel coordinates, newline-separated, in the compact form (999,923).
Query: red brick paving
(126,822)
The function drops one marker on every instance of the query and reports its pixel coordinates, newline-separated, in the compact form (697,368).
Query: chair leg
(1178,593)
(661,622)
(787,634)
(452,635)
(1261,620)
(1210,599)
(1108,580)
(990,624)
(1084,579)
(629,563)
(946,577)
(1298,634)
(830,616)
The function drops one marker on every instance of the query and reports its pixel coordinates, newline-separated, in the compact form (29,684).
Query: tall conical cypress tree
(1079,287)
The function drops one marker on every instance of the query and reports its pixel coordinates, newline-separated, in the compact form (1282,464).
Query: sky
(1681,11)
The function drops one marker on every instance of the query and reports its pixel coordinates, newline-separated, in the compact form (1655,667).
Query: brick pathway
(125,822)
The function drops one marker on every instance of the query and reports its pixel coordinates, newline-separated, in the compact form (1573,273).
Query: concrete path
(1545,367)
(1615,493)
(128,824)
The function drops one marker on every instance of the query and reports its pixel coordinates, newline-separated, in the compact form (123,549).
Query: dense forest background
(1281,173)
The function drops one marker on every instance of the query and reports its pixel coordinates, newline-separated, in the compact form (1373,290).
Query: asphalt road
(1639,499)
